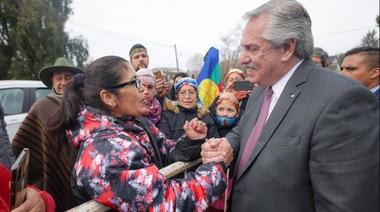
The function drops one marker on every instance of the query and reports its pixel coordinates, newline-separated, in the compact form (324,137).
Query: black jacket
(174,117)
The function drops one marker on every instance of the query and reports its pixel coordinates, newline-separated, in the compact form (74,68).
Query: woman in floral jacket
(118,163)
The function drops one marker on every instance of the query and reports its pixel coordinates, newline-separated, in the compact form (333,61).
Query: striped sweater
(47,172)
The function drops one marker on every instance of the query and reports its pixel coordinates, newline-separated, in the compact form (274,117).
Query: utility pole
(176,57)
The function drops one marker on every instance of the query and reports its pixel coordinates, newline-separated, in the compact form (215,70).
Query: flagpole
(176,57)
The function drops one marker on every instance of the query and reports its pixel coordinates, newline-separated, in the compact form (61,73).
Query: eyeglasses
(192,94)
(137,83)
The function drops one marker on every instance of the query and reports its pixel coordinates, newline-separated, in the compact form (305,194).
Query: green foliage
(32,37)
(370,39)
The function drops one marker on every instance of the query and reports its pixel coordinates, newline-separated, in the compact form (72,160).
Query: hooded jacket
(114,167)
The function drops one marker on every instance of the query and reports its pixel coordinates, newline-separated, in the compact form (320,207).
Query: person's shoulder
(336,79)
(310,73)
(202,111)
(334,85)
(49,99)
(48,103)
(170,106)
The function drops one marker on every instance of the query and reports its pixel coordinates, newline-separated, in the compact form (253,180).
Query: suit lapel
(285,101)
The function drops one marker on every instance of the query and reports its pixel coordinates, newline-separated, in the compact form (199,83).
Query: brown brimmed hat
(61,63)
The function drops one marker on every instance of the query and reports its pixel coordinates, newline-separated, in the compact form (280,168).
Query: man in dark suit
(362,64)
(319,147)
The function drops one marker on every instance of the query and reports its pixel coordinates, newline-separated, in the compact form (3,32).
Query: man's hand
(195,129)
(217,149)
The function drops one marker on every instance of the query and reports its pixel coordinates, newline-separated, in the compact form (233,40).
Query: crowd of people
(305,138)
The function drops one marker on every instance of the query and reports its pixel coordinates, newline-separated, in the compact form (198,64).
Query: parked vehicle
(17,96)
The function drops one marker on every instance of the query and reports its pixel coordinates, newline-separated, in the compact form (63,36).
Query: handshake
(217,150)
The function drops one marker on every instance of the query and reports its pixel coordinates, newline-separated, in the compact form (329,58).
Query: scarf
(153,111)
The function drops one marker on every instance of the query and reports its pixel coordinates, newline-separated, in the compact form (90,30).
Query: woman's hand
(241,94)
(162,87)
(217,149)
(34,202)
(195,129)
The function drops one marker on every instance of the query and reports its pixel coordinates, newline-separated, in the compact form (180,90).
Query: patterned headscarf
(228,98)
(234,70)
(186,81)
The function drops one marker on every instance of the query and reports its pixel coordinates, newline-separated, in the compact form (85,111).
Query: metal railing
(168,171)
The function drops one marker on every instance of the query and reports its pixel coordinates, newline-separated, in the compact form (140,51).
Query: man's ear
(108,98)
(375,73)
(289,48)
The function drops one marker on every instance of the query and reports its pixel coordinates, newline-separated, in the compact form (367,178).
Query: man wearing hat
(58,75)
(50,173)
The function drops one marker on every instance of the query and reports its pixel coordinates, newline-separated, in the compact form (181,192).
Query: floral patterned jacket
(114,167)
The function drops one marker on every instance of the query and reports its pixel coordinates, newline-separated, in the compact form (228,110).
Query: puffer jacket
(114,167)
(174,117)
(7,157)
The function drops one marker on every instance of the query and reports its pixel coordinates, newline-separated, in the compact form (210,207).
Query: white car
(17,96)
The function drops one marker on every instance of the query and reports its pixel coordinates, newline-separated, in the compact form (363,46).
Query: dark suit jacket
(319,149)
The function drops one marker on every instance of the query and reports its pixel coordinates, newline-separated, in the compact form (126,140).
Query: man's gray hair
(287,19)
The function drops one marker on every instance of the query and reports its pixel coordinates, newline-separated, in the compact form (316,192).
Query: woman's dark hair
(172,90)
(84,89)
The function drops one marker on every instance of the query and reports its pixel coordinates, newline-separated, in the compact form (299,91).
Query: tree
(195,62)
(230,48)
(370,39)
(32,37)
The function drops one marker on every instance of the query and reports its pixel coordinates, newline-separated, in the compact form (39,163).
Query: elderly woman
(48,173)
(153,106)
(120,154)
(176,78)
(175,114)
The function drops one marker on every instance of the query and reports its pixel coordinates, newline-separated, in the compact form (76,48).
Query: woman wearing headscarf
(232,76)
(176,113)
(153,106)
(225,117)
(176,78)
(116,163)
(226,113)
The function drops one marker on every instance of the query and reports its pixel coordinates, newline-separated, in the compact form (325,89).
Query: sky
(112,27)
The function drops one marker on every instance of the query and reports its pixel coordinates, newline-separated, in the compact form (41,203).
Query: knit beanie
(146,75)
(186,81)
